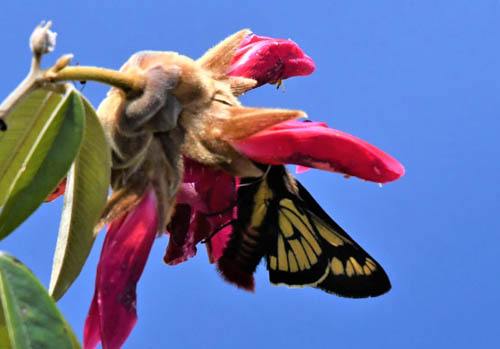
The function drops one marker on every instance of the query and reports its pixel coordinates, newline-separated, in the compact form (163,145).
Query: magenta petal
(314,145)
(219,241)
(219,193)
(205,202)
(188,195)
(91,332)
(181,244)
(301,169)
(269,60)
(124,254)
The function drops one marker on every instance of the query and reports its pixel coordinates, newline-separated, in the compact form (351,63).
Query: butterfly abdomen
(247,244)
(241,257)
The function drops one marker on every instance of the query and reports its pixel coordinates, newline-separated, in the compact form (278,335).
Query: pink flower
(126,248)
(206,202)
(269,60)
(307,144)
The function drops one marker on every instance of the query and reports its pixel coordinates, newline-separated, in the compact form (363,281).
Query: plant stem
(36,78)
(16,96)
(124,81)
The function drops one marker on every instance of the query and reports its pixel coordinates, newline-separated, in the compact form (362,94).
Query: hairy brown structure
(187,107)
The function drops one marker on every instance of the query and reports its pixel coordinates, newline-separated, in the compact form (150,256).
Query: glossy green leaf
(30,316)
(46,164)
(26,122)
(84,199)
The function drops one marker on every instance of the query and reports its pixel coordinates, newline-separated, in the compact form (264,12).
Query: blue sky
(418,79)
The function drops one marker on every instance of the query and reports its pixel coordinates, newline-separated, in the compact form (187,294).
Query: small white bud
(42,40)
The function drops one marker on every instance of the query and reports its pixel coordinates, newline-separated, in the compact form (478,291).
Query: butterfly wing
(279,220)
(312,250)
(296,257)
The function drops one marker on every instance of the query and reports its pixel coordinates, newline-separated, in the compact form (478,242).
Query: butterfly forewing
(352,271)
(295,258)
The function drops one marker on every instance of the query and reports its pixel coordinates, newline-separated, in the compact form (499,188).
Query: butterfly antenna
(258,180)
(225,210)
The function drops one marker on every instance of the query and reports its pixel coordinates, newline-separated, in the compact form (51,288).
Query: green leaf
(30,316)
(84,199)
(46,163)
(25,123)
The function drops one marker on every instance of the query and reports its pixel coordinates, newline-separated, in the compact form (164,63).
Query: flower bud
(42,39)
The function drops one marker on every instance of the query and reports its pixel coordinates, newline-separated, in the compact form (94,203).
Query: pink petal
(218,191)
(269,60)
(91,333)
(188,195)
(314,145)
(301,169)
(124,254)
(204,204)
(181,244)
(216,245)
(193,170)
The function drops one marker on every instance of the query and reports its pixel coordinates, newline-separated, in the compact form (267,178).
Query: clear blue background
(419,79)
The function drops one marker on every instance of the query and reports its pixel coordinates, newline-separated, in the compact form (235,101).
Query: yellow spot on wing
(370,264)
(357,268)
(293,262)
(300,253)
(273,262)
(310,253)
(366,270)
(297,219)
(311,240)
(282,257)
(337,266)
(285,226)
(301,222)
(332,237)
(288,204)
(349,269)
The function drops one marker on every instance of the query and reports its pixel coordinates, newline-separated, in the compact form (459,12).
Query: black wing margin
(352,272)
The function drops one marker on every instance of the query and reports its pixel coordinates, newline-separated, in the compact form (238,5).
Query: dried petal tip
(42,40)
